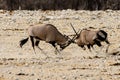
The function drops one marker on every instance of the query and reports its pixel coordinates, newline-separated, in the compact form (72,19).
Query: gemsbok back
(48,33)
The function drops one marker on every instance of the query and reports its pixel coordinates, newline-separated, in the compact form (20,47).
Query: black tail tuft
(23,41)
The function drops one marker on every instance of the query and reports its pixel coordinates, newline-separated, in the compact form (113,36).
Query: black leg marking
(98,43)
(82,46)
(89,47)
(53,44)
(37,43)
(107,42)
(32,41)
(92,47)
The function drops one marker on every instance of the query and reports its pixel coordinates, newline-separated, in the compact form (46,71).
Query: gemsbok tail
(23,41)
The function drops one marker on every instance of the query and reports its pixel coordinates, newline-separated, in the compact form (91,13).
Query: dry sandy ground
(77,64)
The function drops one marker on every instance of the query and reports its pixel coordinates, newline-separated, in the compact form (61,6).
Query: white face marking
(76,40)
(102,35)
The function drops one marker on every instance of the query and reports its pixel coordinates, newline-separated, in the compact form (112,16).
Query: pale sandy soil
(77,64)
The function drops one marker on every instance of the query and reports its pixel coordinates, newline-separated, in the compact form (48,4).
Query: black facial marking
(100,35)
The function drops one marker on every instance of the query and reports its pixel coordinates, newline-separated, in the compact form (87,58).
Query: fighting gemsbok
(90,38)
(48,33)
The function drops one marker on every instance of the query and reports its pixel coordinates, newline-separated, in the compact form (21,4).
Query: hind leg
(89,47)
(32,41)
(37,43)
(92,47)
(82,46)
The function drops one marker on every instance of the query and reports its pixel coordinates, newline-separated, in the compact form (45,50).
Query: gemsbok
(90,38)
(48,33)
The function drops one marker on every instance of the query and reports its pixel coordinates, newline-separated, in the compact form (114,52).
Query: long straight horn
(74,29)
(75,36)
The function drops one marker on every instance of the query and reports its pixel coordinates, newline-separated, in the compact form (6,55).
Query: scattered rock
(22,74)
(115,53)
(115,64)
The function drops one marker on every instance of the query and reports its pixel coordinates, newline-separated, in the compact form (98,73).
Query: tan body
(86,37)
(47,33)
(90,38)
